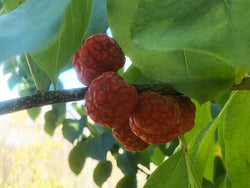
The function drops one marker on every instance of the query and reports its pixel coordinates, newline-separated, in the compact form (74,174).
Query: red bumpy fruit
(97,55)
(110,100)
(156,118)
(128,139)
(188,109)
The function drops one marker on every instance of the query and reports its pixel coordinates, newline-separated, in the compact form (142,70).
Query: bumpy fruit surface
(97,55)
(188,109)
(110,100)
(128,139)
(156,118)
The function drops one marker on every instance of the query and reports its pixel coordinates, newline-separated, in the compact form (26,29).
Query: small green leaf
(50,122)
(127,182)
(34,113)
(77,158)
(13,81)
(20,32)
(57,55)
(236,139)
(171,174)
(157,157)
(54,117)
(98,146)
(102,172)
(127,162)
(72,129)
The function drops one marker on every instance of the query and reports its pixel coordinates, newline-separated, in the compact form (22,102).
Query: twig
(44,98)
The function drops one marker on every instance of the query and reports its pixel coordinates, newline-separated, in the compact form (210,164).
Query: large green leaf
(30,26)
(55,57)
(210,28)
(236,139)
(197,75)
(171,174)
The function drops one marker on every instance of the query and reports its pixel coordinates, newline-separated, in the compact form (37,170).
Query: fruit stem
(33,71)
(192,176)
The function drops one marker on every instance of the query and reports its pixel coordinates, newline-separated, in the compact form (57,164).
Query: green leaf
(77,158)
(202,146)
(13,81)
(212,28)
(127,162)
(133,75)
(50,122)
(10,5)
(202,118)
(219,171)
(144,158)
(201,149)
(157,157)
(20,32)
(102,172)
(57,55)
(72,129)
(98,20)
(171,173)
(34,113)
(54,117)
(127,181)
(98,146)
(236,139)
(199,76)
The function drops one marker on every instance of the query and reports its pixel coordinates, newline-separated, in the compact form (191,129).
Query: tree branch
(44,98)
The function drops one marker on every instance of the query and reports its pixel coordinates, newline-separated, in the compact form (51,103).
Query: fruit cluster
(136,120)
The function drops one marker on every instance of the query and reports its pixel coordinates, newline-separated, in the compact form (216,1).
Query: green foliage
(197,75)
(98,20)
(77,158)
(127,163)
(127,181)
(215,28)
(102,172)
(198,47)
(236,138)
(57,55)
(171,173)
(20,32)
(98,146)
(54,117)
(72,129)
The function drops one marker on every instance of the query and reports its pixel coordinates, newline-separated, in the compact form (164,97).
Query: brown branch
(44,98)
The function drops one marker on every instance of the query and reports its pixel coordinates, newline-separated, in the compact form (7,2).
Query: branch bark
(44,98)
